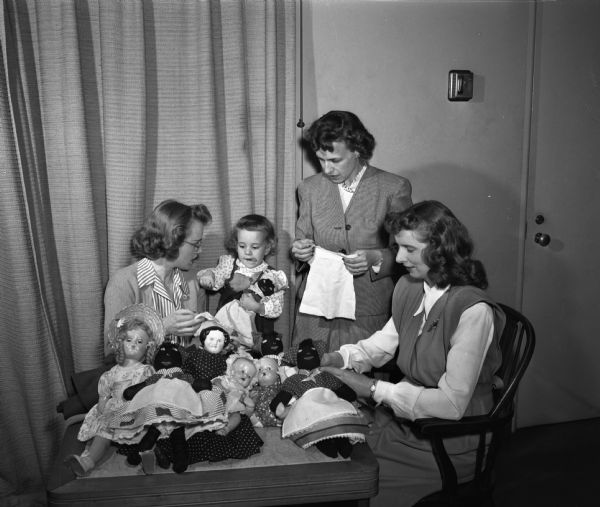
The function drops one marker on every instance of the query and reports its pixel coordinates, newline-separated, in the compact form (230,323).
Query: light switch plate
(460,85)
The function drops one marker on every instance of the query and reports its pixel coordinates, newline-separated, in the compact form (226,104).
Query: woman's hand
(332,359)
(361,260)
(181,323)
(303,249)
(359,383)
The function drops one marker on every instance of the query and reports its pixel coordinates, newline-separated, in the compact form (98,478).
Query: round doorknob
(542,239)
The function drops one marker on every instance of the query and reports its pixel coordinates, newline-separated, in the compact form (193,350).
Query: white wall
(388,62)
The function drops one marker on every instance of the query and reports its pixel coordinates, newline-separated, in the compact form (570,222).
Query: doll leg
(82,465)
(180,450)
(334,446)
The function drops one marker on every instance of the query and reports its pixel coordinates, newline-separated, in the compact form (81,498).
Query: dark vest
(422,358)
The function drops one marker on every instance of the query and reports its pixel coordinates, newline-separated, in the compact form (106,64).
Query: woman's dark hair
(340,126)
(449,249)
(252,223)
(166,228)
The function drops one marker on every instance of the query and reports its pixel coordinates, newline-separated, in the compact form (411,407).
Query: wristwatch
(372,388)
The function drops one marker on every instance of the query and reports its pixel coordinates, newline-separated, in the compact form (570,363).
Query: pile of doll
(187,438)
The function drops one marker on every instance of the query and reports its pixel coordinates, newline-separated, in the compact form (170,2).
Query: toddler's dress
(268,286)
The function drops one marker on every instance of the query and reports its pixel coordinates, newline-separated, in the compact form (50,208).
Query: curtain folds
(108,107)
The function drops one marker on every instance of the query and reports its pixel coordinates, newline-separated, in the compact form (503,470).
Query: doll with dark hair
(236,438)
(252,292)
(344,425)
(210,359)
(167,403)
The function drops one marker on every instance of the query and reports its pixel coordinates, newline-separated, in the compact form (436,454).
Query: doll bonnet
(319,414)
(141,312)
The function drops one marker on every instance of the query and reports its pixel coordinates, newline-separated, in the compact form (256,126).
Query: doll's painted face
(214,341)
(243,371)
(267,371)
(135,344)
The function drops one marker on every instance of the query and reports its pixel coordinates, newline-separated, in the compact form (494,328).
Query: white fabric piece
(233,316)
(329,288)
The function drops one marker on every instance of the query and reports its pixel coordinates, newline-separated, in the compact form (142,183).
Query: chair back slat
(516,343)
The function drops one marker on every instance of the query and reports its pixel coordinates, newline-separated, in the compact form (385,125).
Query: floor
(555,465)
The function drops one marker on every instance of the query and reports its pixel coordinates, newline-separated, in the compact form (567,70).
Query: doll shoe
(148,462)
(81,466)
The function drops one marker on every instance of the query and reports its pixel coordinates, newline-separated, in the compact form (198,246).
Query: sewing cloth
(329,289)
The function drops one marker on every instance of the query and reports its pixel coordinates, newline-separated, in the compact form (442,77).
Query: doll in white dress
(134,335)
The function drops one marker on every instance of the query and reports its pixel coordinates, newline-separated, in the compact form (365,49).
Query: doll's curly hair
(123,328)
(252,223)
(340,126)
(165,230)
(450,247)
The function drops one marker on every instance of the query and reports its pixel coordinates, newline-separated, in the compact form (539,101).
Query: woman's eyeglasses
(197,245)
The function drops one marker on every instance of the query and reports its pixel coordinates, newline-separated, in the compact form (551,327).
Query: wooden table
(354,480)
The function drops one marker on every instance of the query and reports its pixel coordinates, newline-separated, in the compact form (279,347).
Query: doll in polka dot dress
(238,439)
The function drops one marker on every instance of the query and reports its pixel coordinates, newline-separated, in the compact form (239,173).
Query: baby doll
(237,382)
(308,378)
(252,292)
(267,387)
(134,334)
(166,404)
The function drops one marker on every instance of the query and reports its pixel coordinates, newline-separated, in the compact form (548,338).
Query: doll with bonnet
(134,334)
(316,407)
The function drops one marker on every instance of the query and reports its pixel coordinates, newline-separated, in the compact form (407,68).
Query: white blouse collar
(430,296)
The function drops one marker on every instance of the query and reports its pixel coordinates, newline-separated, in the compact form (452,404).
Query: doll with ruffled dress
(231,375)
(134,335)
(252,292)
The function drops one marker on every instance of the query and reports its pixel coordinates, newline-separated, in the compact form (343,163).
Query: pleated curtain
(107,107)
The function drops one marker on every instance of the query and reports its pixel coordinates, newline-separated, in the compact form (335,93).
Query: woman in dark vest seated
(446,330)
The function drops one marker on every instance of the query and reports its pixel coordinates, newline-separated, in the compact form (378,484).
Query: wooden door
(561,284)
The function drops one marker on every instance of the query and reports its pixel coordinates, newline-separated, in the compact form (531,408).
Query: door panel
(561,280)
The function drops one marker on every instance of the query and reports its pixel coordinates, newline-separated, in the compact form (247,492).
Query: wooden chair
(517,343)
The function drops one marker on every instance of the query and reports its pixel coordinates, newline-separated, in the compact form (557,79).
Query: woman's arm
(371,352)
(449,400)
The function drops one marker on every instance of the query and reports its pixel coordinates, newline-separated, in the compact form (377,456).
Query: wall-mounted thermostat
(460,85)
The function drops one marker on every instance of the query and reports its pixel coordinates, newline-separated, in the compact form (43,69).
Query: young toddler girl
(251,291)
(134,335)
